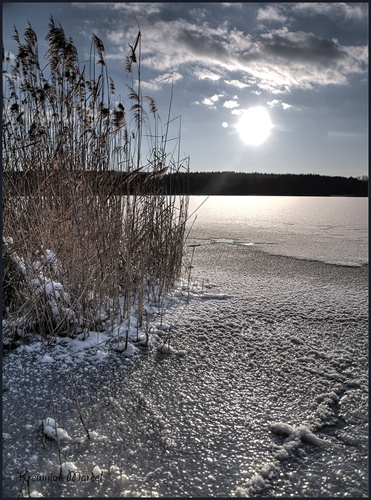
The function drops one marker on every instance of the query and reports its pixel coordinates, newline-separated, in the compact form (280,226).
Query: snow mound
(126,350)
(52,431)
(215,296)
(117,474)
(165,349)
(294,437)
(47,359)
(100,355)
(96,471)
(354,407)
(302,433)
(68,467)
(164,327)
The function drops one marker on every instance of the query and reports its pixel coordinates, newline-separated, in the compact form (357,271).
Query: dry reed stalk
(62,136)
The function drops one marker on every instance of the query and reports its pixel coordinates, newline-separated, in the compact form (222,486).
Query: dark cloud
(301,46)
(201,45)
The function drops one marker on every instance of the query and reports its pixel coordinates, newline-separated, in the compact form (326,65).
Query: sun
(254,126)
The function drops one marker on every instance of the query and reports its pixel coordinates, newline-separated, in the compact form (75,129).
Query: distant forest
(235,183)
(203,183)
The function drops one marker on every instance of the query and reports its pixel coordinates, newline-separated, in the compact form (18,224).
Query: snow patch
(68,467)
(298,434)
(47,359)
(165,349)
(100,355)
(223,240)
(214,296)
(354,407)
(96,471)
(52,431)
(163,327)
(126,349)
(294,437)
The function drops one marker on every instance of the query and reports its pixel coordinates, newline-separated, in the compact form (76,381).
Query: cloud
(285,13)
(137,7)
(276,60)
(173,43)
(158,82)
(237,83)
(272,13)
(147,8)
(237,5)
(300,46)
(286,59)
(198,13)
(230,104)
(210,101)
(285,105)
(335,10)
(239,42)
(278,102)
(206,74)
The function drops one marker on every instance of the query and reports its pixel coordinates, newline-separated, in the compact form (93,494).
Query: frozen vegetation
(77,257)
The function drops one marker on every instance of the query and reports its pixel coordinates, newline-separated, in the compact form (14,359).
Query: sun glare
(254,126)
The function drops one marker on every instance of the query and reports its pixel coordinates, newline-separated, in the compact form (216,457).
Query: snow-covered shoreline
(271,342)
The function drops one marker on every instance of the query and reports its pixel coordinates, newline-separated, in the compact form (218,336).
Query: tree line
(200,183)
(238,183)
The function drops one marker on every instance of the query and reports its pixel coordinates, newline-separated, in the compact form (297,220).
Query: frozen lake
(266,397)
(328,229)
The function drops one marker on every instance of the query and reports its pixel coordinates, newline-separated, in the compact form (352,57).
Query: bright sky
(260,87)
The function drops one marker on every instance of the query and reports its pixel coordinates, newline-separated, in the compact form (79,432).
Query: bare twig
(73,385)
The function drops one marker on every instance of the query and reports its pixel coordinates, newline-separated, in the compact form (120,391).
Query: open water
(267,395)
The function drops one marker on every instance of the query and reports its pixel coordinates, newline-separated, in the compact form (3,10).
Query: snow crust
(266,372)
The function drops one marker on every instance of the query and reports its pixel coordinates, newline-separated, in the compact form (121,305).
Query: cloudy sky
(260,87)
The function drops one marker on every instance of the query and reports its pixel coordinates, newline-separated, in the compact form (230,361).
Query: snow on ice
(263,374)
(53,431)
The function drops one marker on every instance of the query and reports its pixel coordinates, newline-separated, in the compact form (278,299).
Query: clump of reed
(89,233)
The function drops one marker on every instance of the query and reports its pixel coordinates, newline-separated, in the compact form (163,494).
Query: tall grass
(76,255)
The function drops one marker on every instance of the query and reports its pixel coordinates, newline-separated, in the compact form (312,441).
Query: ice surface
(327,229)
(285,350)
